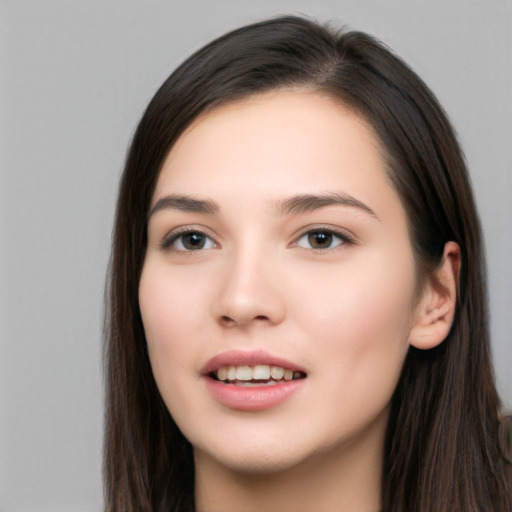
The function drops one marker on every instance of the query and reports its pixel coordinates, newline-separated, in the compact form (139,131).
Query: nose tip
(249,298)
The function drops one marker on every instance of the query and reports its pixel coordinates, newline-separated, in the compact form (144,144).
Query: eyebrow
(294,205)
(309,202)
(185,203)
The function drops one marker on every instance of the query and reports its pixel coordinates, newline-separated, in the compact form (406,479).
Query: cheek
(360,319)
(368,293)
(170,324)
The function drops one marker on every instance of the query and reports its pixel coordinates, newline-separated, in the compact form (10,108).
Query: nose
(250,292)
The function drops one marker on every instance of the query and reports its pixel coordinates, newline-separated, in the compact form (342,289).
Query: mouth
(257,375)
(252,381)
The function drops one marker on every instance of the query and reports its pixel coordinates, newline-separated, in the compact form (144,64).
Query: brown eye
(322,239)
(193,241)
(189,241)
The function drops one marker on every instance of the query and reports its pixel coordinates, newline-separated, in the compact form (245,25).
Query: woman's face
(278,286)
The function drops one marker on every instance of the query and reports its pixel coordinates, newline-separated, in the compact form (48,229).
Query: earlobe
(435,311)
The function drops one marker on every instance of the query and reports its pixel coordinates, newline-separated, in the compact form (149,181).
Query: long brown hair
(441,451)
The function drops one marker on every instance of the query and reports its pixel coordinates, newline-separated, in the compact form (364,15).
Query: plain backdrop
(74,79)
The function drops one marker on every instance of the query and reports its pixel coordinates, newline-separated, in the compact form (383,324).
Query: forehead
(275,145)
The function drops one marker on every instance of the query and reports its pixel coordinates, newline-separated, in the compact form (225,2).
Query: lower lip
(257,398)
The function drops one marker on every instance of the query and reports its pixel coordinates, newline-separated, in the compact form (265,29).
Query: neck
(343,479)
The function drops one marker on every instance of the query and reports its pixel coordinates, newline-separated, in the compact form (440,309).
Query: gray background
(74,79)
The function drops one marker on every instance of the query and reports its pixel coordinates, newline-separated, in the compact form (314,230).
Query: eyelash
(178,235)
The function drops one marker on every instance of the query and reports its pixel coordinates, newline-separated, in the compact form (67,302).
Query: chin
(261,451)
(252,460)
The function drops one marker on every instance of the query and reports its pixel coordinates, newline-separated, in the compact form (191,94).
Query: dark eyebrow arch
(309,202)
(185,203)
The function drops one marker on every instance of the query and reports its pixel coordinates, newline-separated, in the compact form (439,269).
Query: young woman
(297,309)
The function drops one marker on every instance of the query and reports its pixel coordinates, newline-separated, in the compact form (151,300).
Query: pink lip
(255,398)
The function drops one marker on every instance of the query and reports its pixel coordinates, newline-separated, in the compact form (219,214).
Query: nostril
(228,320)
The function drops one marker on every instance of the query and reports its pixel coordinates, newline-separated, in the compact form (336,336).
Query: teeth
(277,372)
(244,374)
(232,373)
(246,384)
(261,372)
(222,373)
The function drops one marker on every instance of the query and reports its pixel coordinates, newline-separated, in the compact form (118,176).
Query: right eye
(190,240)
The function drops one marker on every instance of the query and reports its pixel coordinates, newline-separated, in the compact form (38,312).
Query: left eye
(190,241)
(321,239)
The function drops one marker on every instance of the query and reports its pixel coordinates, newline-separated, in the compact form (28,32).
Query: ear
(433,316)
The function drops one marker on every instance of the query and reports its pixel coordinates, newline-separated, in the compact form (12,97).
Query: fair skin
(253,272)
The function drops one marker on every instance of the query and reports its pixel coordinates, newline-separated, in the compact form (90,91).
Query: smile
(251,381)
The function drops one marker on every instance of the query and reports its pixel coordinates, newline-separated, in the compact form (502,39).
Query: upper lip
(249,358)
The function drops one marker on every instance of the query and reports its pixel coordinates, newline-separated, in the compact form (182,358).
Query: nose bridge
(250,289)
